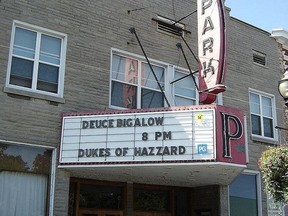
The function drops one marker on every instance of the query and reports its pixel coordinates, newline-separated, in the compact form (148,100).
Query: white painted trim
(153,165)
(170,76)
(169,21)
(38,28)
(52,182)
(139,57)
(259,188)
(246,139)
(10,142)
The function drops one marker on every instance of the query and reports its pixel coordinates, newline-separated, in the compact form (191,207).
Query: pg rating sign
(138,137)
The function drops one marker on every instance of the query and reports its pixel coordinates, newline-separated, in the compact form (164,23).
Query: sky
(264,14)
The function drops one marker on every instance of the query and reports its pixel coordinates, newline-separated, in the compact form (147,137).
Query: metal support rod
(133,31)
(190,49)
(129,11)
(179,46)
(184,17)
(183,77)
(281,128)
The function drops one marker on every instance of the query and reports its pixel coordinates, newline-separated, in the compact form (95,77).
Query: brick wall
(92,29)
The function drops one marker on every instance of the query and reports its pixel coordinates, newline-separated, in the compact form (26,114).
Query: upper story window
(133,84)
(263,116)
(184,89)
(37,60)
(259,58)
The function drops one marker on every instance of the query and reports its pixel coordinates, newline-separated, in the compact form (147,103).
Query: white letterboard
(138,137)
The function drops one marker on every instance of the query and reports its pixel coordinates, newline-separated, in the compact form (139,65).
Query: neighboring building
(75,59)
(281,37)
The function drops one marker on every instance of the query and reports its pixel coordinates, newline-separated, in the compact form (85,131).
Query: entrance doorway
(87,212)
(99,198)
(152,201)
(96,198)
(152,214)
(161,201)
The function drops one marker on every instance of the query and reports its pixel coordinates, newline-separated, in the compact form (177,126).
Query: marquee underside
(183,175)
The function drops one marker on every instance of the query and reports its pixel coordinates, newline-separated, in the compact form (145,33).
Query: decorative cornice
(281,36)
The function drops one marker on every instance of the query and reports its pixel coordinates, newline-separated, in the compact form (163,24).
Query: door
(96,198)
(151,214)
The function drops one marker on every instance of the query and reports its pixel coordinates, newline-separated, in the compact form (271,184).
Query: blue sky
(264,14)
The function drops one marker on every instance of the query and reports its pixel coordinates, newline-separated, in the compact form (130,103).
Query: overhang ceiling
(184,174)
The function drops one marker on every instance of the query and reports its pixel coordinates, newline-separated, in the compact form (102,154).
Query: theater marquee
(156,136)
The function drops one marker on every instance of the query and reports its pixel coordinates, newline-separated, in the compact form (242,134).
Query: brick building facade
(69,57)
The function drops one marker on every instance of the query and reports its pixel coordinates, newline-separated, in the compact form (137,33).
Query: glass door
(95,198)
(86,212)
(152,201)
(151,214)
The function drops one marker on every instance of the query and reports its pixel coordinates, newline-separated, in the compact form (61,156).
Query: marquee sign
(136,136)
(212,49)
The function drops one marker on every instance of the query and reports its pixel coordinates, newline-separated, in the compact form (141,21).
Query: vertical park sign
(212,49)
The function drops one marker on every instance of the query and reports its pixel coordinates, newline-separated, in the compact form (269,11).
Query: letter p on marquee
(232,129)
(230,135)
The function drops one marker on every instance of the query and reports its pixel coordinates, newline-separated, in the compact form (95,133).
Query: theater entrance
(99,198)
(83,212)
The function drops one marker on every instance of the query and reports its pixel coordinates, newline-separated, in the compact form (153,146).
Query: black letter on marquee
(80,153)
(226,132)
(167,135)
(157,135)
(85,124)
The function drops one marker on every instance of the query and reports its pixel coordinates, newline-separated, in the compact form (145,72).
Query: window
(244,196)
(151,200)
(15,190)
(100,197)
(259,58)
(133,80)
(88,197)
(133,84)
(37,59)
(262,110)
(24,172)
(184,89)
